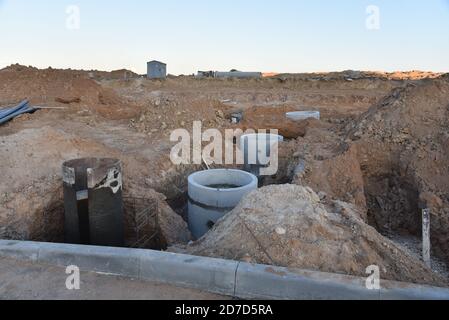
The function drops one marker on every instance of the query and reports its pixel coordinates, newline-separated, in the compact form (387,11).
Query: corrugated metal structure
(156,70)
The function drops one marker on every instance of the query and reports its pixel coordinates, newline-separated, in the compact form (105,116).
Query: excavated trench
(392,202)
(395,211)
(141,227)
(393,205)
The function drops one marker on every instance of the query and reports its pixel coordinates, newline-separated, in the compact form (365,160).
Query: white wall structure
(238,74)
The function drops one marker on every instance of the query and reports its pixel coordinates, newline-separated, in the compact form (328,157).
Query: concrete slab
(213,275)
(20,250)
(119,261)
(404,291)
(258,281)
(231,278)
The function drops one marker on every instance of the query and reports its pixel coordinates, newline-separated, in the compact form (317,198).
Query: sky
(249,35)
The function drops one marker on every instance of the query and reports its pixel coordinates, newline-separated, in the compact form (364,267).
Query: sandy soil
(372,148)
(290,226)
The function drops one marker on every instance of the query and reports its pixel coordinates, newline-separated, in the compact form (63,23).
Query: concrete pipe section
(303,115)
(257,150)
(214,193)
(93,202)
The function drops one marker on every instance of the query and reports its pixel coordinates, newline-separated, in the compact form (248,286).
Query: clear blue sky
(253,35)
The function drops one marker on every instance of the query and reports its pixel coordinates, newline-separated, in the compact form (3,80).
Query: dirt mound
(358,75)
(387,163)
(122,74)
(164,113)
(403,149)
(266,118)
(289,226)
(61,88)
(334,173)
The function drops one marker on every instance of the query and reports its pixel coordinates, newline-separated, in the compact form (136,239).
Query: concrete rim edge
(232,278)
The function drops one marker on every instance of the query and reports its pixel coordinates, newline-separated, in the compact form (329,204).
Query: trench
(179,204)
(393,205)
(392,200)
(141,227)
(395,211)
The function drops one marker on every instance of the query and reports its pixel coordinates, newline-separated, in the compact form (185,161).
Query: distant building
(205,74)
(230,74)
(156,70)
(238,74)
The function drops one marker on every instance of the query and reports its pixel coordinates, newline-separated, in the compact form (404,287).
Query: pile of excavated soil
(62,88)
(336,99)
(288,225)
(386,164)
(163,113)
(402,145)
(324,162)
(391,162)
(358,75)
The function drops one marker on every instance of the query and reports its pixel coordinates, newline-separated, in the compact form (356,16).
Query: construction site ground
(349,189)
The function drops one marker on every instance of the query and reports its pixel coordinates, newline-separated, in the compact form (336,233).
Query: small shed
(156,70)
